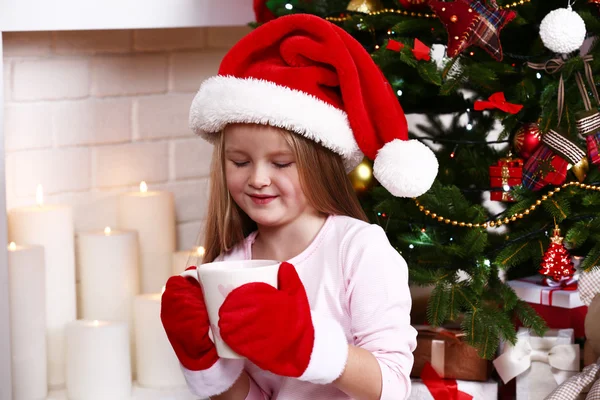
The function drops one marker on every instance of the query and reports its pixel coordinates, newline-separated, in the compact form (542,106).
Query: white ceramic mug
(221,277)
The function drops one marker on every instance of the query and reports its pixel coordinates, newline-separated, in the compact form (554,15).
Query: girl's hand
(185,319)
(276,330)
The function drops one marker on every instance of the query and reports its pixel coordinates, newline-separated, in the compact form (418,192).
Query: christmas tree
(506,96)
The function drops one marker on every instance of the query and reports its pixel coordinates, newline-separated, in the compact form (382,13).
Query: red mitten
(276,330)
(185,319)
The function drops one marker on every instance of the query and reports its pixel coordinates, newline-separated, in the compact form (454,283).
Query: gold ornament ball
(364,6)
(361,177)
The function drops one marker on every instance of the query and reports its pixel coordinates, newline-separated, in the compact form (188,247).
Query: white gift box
(539,364)
(532,291)
(479,390)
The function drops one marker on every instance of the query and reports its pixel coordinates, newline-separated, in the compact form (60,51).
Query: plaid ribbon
(589,285)
(535,178)
(589,127)
(572,388)
(487,28)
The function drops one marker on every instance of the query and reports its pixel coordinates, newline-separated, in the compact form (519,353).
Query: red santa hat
(305,74)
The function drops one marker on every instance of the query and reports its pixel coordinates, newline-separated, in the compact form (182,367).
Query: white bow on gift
(563,358)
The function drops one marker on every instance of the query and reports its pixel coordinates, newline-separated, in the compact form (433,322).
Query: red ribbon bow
(394,45)
(421,51)
(498,101)
(442,389)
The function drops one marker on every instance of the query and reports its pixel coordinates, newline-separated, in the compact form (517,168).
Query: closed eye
(282,165)
(240,164)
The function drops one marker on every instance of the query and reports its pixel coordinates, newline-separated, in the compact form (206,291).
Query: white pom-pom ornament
(562,30)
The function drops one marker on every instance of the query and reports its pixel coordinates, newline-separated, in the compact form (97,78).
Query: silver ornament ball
(562,30)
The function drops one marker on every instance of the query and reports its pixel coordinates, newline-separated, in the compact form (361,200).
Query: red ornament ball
(527,139)
(412,4)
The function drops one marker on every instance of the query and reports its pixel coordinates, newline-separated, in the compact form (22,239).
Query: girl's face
(262,175)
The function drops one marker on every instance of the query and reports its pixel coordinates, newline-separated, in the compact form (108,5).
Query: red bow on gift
(441,389)
(498,101)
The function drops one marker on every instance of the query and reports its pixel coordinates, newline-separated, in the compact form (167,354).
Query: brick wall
(91,114)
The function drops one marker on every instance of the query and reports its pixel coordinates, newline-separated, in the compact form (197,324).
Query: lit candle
(185,259)
(98,366)
(51,226)
(108,267)
(152,215)
(26,298)
(157,365)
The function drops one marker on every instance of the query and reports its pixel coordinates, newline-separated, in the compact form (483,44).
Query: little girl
(296,104)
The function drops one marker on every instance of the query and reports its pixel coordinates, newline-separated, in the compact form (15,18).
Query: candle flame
(200,251)
(95,322)
(12,246)
(107,230)
(143,187)
(39,195)
(364,172)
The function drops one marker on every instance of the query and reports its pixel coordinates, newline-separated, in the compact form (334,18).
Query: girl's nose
(259,177)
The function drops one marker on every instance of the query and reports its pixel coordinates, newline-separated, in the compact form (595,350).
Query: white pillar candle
(157,365)
(185,259)
(108,275)
(98,365)
(152,215)
(51,226)
(26,299)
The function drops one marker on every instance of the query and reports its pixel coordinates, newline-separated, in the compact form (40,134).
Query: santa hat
(305,74)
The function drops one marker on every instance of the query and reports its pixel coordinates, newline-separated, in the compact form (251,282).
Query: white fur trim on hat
(330,351)
(223,100)
(406,168)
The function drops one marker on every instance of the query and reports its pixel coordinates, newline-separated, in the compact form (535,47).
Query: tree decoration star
(471,22)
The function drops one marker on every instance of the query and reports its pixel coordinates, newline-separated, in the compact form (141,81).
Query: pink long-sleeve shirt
(352,274)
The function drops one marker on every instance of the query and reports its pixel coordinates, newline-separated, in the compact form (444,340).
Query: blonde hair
(322,177)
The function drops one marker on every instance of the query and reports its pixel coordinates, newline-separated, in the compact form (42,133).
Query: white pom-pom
(562,30)
(406,168)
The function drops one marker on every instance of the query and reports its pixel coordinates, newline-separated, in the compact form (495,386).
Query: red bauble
(527,139)
(412,4)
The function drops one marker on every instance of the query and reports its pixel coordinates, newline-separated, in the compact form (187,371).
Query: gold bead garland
(506,220)
(418,14)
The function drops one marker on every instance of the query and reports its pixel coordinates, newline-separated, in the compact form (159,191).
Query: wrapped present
(560,306)
(432,387)
(507,173)
(444,348)
(540,364)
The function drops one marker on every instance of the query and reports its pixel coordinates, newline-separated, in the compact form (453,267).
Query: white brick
(189,235)
(129,75)
(61,170)
(92,121)
(191,199)
(169,39)
(23,44)
(163,116)
(7,79)
(226,36)
(192,158)
(27,126)
(50,79)
(129,164)
(92,42)
(188,70)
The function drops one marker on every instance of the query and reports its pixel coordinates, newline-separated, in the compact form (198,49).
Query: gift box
(560,307)
(507,172)
(435,388)
(449,354)
(539,364)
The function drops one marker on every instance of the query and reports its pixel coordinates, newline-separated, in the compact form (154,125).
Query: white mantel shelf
(68,15)
(60,15)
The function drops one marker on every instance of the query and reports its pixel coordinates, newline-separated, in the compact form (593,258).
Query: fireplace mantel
(69,15)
